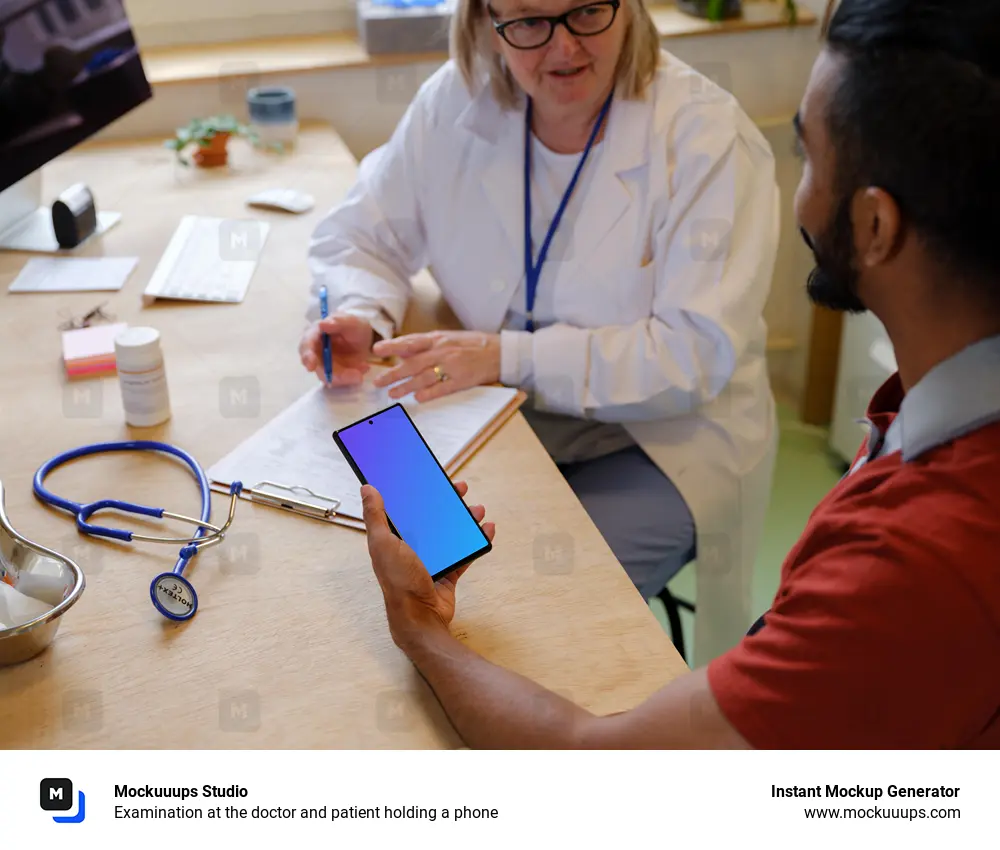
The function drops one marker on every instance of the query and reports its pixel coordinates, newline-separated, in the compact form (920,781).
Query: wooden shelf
(293,55)
(305,54)
(673,23)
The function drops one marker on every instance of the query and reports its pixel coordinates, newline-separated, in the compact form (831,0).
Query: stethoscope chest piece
(173,596)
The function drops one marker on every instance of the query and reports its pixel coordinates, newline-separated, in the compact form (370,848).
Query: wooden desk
(290,647)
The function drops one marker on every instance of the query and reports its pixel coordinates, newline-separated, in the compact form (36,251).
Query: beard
(834,282)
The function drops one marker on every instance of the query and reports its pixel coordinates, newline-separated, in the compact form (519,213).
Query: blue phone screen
(419,498)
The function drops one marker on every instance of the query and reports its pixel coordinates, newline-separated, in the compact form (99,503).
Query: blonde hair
(472,50)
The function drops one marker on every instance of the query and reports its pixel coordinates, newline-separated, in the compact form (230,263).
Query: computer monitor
(68,68)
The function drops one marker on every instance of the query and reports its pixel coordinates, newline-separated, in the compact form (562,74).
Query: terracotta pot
(215,153)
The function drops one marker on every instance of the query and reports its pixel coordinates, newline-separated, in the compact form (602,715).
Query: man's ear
(878,226)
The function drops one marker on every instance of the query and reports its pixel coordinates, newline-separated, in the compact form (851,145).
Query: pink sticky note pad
(93,343)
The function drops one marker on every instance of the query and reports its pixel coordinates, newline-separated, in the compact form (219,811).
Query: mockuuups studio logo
(239,710)
(393,712)
(239,555)
(712,82)
(240,240)
(56,795)
(239,397)
(83,400)
(710,238)
(236,79)
(396,84)
(554,554)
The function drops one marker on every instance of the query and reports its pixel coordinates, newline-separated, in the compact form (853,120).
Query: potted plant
(211,137)
(718,10)
(713,10)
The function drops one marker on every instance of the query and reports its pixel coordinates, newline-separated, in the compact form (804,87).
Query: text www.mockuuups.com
(880,812)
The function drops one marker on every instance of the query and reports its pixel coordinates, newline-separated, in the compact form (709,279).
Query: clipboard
(307,500)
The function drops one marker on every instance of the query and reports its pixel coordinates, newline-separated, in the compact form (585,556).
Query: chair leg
(671,604)
(683,603)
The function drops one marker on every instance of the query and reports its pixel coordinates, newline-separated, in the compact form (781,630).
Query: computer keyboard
(209,259)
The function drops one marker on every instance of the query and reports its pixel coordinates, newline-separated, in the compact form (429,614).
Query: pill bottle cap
(138,349)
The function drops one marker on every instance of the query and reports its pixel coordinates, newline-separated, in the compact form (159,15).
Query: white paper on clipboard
(296,449)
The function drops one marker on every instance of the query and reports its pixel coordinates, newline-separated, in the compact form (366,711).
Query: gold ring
(441,374)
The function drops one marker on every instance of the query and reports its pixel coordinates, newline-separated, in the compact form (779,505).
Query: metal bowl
(41,574)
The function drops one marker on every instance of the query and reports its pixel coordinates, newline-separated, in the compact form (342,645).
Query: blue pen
(324,310)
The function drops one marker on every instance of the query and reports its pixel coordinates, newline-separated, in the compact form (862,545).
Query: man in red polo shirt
(885,630)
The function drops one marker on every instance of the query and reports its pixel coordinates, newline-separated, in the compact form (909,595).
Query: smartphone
(423,507)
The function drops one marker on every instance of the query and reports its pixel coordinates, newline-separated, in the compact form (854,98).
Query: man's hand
(415,604)
(464,359)
(350,344)
(493,707)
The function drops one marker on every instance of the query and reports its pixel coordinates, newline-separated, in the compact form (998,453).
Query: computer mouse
(287,200)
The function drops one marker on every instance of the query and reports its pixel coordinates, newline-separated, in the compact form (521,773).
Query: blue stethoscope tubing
(83,512)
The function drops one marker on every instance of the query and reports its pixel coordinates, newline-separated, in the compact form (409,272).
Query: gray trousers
(640,514)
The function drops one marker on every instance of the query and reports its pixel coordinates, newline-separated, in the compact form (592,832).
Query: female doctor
(631,312)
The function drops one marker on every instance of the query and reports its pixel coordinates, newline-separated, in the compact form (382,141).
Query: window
(159,23)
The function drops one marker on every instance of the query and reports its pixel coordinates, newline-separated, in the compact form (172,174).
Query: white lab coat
(661,298)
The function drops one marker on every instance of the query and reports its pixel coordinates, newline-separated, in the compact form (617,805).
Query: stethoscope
(172,594)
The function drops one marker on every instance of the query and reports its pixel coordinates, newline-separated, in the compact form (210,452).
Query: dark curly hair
(917,113)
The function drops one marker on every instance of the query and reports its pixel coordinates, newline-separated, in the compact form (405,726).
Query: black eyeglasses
(88,319)
(537,31)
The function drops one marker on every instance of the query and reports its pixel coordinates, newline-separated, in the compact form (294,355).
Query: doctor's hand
(414,603)
(463,359)
(350,344)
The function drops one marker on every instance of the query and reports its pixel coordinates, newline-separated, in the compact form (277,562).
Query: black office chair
(673,606)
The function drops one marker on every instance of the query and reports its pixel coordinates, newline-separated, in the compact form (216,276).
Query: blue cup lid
(271,103)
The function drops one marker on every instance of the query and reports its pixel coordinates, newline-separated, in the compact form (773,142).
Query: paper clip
(257,494)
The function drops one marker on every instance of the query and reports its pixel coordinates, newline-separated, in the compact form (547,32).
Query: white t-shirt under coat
(567,439)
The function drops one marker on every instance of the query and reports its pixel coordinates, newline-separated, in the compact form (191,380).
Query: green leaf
(225,124)
(201,131)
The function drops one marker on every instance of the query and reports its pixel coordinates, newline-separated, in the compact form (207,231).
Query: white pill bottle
(142,377)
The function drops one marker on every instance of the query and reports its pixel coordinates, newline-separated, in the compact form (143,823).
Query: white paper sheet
(297,449)
(82,274)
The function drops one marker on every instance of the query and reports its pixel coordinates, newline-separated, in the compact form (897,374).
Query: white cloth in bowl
(16,609)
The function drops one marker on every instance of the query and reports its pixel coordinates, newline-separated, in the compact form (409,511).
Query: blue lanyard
(533,271)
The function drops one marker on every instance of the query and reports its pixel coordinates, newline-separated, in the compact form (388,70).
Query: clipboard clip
(258,495)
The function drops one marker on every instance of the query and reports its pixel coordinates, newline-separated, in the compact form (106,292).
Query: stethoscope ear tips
(173,596)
